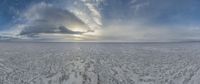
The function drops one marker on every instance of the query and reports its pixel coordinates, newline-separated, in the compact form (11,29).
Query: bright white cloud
(88,11)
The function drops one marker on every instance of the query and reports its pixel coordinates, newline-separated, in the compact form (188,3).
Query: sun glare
(86,36)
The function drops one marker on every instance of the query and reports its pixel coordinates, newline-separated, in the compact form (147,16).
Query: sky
(100,20)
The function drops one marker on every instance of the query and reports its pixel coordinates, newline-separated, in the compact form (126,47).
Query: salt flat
(100,63)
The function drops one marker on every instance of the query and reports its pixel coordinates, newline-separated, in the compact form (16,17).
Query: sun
(86,35)
(79,30)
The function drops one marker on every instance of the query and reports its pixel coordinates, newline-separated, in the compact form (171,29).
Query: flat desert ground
(100,63)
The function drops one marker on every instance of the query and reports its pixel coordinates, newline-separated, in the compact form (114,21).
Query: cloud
(42,29)
(88,11)
(140,32)
(137,6)
(51,19)
(45,18)
(107,20)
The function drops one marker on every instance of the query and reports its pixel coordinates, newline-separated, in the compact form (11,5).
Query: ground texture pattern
(99,63)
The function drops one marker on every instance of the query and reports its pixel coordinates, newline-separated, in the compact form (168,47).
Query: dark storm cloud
(34,30)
